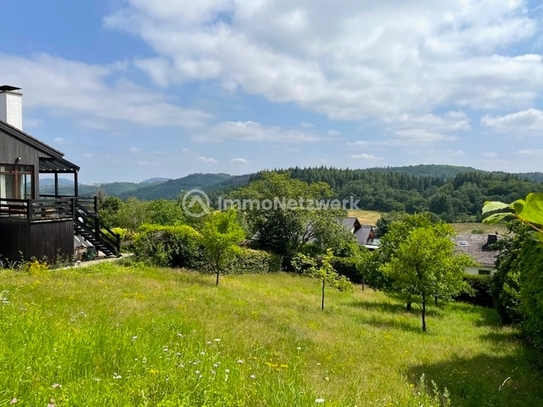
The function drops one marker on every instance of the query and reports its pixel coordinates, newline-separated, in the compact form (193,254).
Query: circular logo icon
(196,203)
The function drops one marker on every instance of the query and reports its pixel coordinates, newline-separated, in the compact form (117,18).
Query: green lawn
(110,335)
(365,217)
(468,227)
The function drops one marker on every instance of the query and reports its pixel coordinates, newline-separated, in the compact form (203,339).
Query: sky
(134,89)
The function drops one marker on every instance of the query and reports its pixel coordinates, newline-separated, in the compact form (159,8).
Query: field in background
(371,217)
(114,335)
(469,227)
(365,217)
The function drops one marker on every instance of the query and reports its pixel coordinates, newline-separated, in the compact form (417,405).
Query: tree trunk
(362,283)
(322,303)
(435,300)
(408,306)
(218,270)
(424,312)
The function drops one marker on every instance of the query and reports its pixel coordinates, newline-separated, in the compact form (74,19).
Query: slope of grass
(365,217)
(468,227)
(131,336)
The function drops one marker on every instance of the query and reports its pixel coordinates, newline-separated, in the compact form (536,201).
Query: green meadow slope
(110,335)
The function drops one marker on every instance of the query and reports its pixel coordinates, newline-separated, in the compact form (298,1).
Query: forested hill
(428,170)
(172,188)
(458,198)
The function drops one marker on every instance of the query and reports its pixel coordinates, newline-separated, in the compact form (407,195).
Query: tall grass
(110,335)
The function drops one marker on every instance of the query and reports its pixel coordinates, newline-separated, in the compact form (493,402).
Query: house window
(16,181)
(484,272)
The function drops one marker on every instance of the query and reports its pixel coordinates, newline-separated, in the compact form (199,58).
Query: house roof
(55,162)
(362,234)
(57,165)
(8,88)
(472,245)
(351,223)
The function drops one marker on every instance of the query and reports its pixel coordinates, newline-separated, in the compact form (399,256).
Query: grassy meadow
(114,335)
(370,218)
(365,217)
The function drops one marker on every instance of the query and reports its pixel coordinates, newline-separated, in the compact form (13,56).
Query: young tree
(425,264)
(400,226)
(132,214)
(324,272)
(221,235)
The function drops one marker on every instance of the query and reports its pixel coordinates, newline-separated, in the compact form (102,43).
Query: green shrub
(531,295)
(123,233)
(346,266)
(477,291)
(169,246)
(249,261)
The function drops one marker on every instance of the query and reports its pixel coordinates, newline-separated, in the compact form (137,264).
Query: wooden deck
(45,227)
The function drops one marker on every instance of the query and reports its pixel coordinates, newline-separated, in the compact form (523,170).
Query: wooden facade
(41,226)
(51,240)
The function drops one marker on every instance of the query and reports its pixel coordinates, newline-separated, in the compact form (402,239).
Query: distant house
(365,235)
(34,225)
(479,248)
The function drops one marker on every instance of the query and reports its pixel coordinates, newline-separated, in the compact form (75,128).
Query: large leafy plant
(528,211)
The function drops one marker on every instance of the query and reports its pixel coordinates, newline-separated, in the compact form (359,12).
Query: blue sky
(134,89)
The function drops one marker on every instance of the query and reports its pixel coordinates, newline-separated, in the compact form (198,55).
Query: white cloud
(531,152)
(93,93)
(207,160)
(239,160)
(525,122)
(359,143)
(134,149)
(451,121)
(490,154)
(366,157)
(414,137)
(253,131)
(452,152)
(350,62)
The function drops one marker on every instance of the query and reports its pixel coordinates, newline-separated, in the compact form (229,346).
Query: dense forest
(458,198)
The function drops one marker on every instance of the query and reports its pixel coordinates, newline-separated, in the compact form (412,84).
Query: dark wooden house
(33,225)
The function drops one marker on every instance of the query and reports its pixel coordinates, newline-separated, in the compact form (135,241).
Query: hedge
(169,246)
(478,291)
(249,261)
(346,266)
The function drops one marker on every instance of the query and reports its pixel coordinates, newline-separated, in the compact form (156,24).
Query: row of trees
(457,198)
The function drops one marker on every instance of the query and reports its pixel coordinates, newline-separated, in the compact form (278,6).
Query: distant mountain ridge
(167,188)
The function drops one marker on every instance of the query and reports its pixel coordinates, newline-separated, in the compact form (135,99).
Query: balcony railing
(83,211)
(35,210)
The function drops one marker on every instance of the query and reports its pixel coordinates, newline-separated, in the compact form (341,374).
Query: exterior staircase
(87,224)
